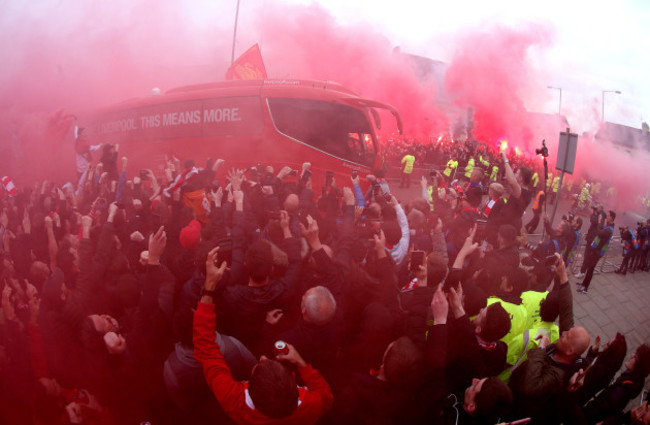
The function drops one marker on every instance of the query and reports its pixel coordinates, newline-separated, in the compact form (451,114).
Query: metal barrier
(613,256)
(610,262)
(394,170)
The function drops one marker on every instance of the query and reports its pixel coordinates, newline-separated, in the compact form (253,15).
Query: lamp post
(603,111)
(559,111)
(234,35)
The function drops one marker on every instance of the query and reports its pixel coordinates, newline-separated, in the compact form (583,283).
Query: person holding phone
(465,398)
(271,395)
(356,188)
(397,233)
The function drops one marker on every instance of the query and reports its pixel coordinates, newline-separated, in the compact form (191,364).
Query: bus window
(368,145)
(339,130)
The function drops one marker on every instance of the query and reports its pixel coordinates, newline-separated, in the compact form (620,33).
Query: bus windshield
(339,130)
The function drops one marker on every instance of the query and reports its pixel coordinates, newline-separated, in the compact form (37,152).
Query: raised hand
(439,307)
(213,273)
(157,243)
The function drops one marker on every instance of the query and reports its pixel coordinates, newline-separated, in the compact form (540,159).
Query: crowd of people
(635,248)
(266,297)
(458,156)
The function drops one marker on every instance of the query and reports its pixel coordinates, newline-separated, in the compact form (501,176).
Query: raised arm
(400,250)
(515,189)
(86,295)
(358,193)
(238,239)
(566,296)
(121,182)
(228,392)
(291,246)
(438,241)
(52,246)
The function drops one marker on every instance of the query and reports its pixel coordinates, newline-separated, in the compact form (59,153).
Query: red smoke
(306,42)
(491,73)
(86,56)
(624,169)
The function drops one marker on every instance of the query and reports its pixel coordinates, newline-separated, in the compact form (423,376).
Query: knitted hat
(190,235)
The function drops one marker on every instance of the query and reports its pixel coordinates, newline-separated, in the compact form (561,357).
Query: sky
(595,45)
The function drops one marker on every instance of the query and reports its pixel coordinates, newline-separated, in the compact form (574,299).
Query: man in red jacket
(271,396)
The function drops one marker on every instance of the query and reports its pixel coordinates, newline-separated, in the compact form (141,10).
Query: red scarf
(180,180)
(488,207)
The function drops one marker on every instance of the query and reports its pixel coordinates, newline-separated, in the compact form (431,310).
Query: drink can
(281,348)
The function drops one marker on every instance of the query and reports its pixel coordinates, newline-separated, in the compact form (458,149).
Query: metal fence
(610,262)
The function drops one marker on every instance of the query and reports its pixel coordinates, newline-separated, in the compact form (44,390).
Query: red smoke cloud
(86,56)
(494,73)
(78,57)
(491,73)
(306,42)
(624,169)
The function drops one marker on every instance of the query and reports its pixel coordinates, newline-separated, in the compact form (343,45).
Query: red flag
(248,66)
(9,186)
(58,125)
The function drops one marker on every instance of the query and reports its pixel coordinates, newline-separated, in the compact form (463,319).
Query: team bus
(246,122)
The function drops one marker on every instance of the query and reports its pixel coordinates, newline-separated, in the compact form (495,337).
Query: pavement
(615,303)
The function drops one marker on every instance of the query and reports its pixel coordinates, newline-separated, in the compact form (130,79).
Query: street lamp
(603,111)
(559,111)
(234,35)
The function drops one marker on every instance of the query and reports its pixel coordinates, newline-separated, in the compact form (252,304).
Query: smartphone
(302,216)
(255,174)
(480,234)
(329,178)
(417,257)
(355,174)
(447,286)
(293,172)
(550,260)
(274,215)
(388,197)
(144,174)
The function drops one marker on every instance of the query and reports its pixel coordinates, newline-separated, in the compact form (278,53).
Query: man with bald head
(291,203)
(318,330)
(540,384)
(318,306)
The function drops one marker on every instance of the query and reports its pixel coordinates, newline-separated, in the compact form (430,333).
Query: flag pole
(234,35)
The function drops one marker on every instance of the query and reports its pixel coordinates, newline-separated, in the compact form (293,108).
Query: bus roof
(268,84)
(312,89)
